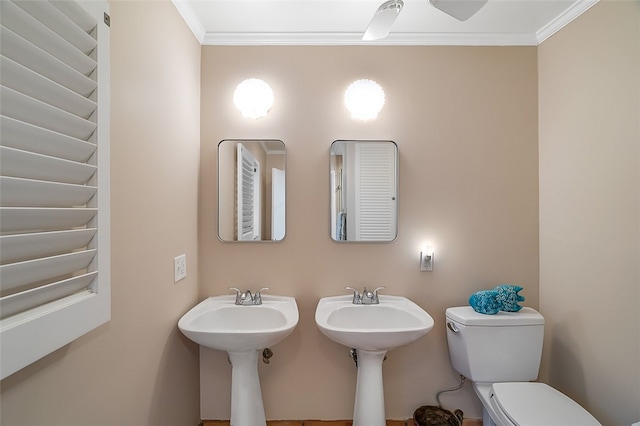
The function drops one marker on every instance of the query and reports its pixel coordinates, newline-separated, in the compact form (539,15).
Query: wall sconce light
(253,97)
(426,259)
(364,99)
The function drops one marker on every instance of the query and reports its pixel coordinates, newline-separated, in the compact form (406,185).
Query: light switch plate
(180,267)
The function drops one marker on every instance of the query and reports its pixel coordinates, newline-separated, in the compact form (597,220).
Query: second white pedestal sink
(243,331)
(372,330)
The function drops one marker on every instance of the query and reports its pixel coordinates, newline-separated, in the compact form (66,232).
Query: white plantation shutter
(375,188)
(54,176)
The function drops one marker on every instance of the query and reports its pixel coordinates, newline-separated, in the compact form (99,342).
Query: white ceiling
(332,22)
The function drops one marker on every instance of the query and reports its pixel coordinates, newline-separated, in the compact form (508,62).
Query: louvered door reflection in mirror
(364,191)
(251,190)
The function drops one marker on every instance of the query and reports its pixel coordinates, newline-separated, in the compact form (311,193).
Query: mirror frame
(396,187)
(219,194)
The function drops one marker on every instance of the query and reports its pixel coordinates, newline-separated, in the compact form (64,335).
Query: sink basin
(372,330)
(395,322)
(218,323)
(243,331)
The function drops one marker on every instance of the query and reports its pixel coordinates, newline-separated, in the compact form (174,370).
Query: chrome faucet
(246,298)
(367,297)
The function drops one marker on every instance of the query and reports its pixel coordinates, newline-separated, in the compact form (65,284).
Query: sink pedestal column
(369,405)
(246,396)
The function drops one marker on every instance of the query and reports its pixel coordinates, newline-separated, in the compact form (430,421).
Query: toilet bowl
(501,355)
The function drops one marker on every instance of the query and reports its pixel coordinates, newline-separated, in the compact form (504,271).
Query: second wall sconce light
(253,97)
(426,259)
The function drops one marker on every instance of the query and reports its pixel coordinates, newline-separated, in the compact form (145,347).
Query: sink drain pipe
(266,355)
(353,354)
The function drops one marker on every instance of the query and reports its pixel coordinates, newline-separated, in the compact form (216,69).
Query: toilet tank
(505,347)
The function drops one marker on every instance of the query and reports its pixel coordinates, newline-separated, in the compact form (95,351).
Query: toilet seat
(537,404)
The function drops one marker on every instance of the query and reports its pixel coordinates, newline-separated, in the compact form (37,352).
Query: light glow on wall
(364,99)
(253,97)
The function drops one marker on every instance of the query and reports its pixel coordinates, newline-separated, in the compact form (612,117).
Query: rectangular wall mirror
(251,190)
(364,191)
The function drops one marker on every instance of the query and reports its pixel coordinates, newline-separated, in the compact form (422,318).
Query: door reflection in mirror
(364,191)
(251,190)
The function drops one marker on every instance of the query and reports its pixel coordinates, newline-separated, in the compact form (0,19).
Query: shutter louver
(248,197)
(48,162)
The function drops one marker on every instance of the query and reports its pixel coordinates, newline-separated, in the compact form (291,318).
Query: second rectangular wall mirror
(251,190)
(364,191)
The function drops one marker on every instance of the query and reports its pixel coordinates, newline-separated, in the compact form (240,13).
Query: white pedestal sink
(243,331)
(372,330)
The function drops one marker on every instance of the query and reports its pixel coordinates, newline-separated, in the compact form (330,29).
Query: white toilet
(501,354)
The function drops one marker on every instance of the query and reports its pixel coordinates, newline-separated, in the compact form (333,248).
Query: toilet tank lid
(535,403)
(467,316)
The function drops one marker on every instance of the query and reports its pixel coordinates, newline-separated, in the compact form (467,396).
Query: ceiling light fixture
(253,97)
(364,99)
(459,9)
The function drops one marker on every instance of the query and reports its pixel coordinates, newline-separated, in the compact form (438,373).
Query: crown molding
(190,18)
(575,10)
(404,39)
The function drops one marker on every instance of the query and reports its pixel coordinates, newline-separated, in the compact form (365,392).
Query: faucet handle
(376,298)
(357,298)
(257,297)
(239,295)
(355,291)
(375,292)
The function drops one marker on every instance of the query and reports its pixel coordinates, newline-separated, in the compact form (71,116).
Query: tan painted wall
(465,121)
(137,369)
(589,210)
